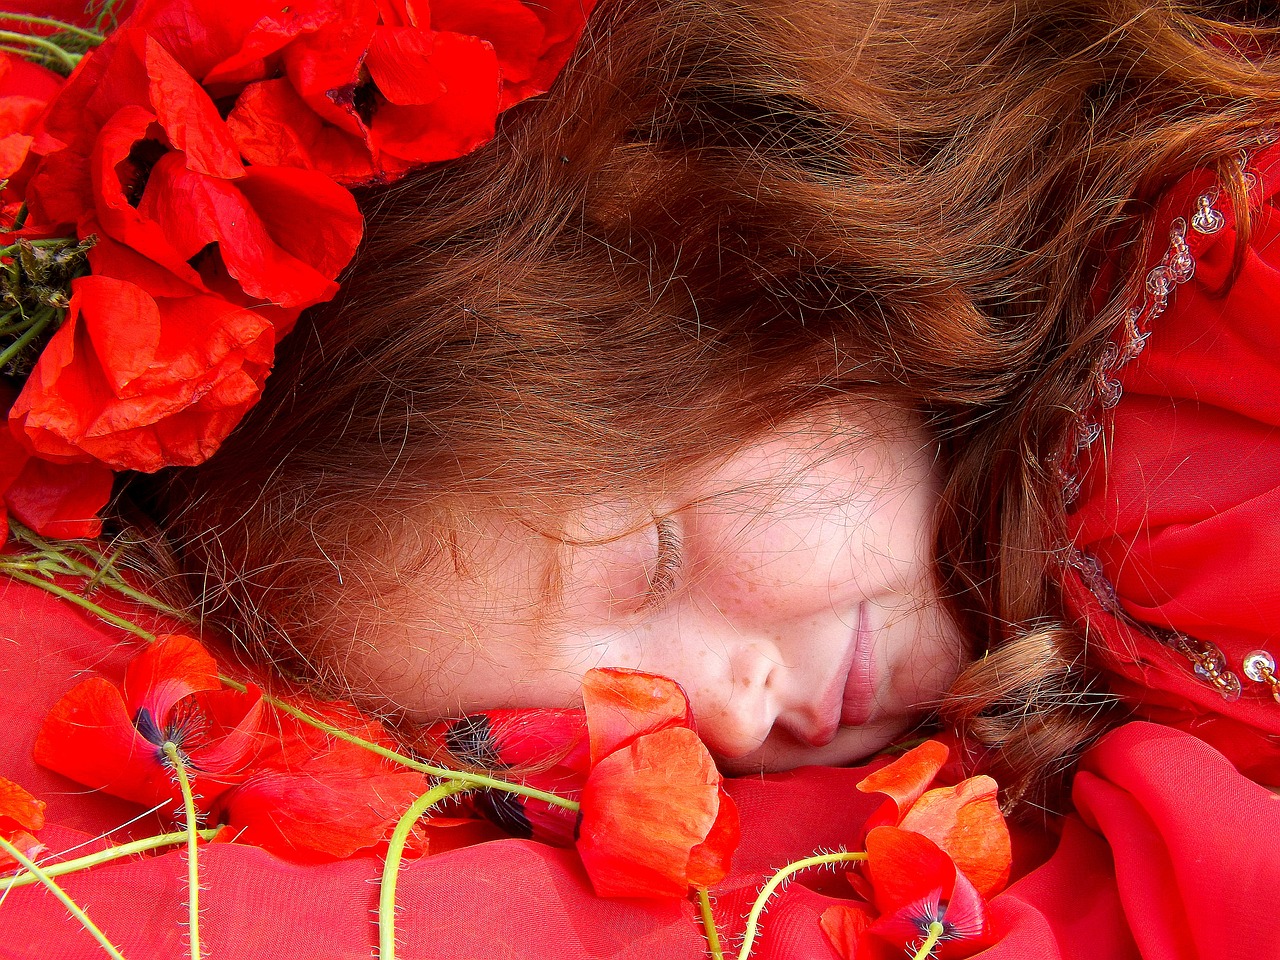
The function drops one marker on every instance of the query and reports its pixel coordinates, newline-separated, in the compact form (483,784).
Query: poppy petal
(18,808)
(907,778)
(189,118)
(646,809)
(966,822)
(622,705)
(166,671)
(90,737)
(844,924)
(326,807)
(905,867)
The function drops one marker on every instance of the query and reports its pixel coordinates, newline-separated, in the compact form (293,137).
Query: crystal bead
(1110,390)
(1160,282)
(1210,661)
(1257,664)
(1228,685)
(1206,219)
(1182,266)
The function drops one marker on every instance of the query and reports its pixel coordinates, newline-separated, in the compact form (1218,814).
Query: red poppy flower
(25,90)
(545,749)
(158,172)
(140,382)
(53,499)
(112,739)
(385,88)
(20,815)
(964,819)
(311,796)
(914,886)
(655,818)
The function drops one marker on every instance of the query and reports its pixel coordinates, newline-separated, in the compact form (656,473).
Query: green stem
(391,869)
(757,908)
(104,856)
(102,571)
(936,930)
(472,780)
(13,248)
(193,881)
(79,601)
(61,894)
(94,38)
(25,39)
(37,327)
(709,925)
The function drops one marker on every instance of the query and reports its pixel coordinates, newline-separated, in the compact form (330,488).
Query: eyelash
(670,560)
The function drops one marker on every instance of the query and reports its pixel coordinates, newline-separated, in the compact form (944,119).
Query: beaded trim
(1176,268)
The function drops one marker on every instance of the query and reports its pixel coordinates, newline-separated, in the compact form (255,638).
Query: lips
(859,688)
(846,700)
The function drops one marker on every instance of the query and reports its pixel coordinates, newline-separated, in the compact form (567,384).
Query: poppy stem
(37,327)
(52,50)
(468,780)
(61,894)
(757,908)
(78,600)
(709,925)
(936,930)
(193,881)
(391,868)
(102,856)
(83,34)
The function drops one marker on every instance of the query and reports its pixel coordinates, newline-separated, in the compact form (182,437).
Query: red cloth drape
(1168,849)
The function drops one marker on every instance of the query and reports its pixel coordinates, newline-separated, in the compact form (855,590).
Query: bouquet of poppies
(176,191)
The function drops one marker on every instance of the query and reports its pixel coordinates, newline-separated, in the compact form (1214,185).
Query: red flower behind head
(25,90)
(655,819)
(139,382)
(21,814)
(112,738)
(53,499)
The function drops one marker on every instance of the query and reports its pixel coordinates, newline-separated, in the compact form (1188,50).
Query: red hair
(724,214)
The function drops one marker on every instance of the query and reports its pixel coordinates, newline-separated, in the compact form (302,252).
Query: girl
(761,358)
(857,366)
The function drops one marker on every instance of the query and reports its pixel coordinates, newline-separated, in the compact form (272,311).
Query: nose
(735,697)
(741,682)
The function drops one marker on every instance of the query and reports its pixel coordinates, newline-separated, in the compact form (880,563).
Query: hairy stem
(475,781)
(94,38)
(709,925)
(936,930)
(103,856)
(68,60)
(757,908)
(193,881)
(72,907)
(78,600)
(391,869)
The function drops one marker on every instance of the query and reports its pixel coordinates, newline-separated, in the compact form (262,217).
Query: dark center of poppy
(135,169)
(186,723)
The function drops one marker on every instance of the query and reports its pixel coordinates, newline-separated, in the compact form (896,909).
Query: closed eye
(670,559)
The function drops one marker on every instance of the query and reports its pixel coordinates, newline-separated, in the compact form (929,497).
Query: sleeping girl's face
(789,589)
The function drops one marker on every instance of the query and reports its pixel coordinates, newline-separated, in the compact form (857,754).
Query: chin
(851,745)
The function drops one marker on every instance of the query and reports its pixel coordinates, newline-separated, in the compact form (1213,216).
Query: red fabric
(1169,847)
(1179,505)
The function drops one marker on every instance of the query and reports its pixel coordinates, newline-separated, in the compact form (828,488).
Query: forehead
(853,458)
